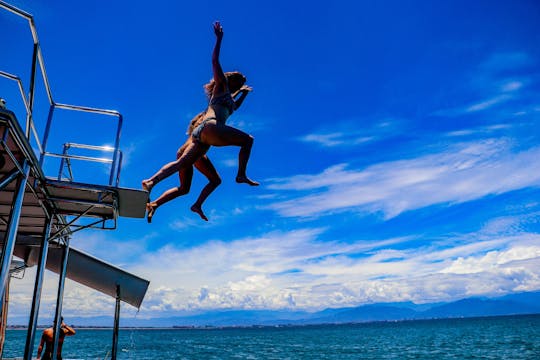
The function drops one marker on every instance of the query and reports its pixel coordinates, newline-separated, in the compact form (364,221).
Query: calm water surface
(510,338)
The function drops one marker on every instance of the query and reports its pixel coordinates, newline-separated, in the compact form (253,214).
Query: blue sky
(396,144)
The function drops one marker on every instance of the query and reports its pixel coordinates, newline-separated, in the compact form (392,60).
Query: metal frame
(116,327)
(11,232)
(115,163)
(37,59)
(63,229)
(36,299)
(60,297)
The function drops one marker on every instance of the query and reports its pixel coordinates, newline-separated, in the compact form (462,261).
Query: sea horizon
(262,326)
(499,337)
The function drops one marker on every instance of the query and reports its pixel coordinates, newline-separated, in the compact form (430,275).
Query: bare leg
(223,135)
(186,176)
(193,151)
(205,166)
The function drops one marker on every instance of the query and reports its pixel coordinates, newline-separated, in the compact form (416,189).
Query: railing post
(30,336)
(62,162)
(12,227)
(60,297)
(31,90)
(46,135)
(116,148)
(116,324)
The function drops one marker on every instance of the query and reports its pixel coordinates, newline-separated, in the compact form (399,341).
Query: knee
(248,141)
(183,190)
(216,181)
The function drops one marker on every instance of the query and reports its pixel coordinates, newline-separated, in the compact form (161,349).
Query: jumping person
(47,340)
(226,92)
(203,164)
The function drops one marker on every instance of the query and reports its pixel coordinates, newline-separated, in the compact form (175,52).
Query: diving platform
(40,212)
(103,203)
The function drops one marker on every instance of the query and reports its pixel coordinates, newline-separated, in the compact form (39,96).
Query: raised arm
(219,76)
(68,330)
(244,90)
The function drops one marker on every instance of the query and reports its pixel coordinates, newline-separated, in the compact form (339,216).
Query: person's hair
(231,76)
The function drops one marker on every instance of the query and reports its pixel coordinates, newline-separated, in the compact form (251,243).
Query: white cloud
(492,260)
(462,173)
(479,131)
(486,104)
(348,133)
(296,270)
(337,139)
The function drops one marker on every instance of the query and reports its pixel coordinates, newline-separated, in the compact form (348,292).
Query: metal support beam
(46,135)
(31,91)
(30,336)
(11,231)
(60,297)
(9,178)
(116,324)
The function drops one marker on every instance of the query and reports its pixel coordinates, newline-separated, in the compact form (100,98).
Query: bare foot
(150,209)
(147,185)
(246,180)
(198,210)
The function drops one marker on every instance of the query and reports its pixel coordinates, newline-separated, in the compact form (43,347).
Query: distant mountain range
(514,304)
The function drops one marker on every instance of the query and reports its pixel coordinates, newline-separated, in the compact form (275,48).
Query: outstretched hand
(218,29)
(246,88)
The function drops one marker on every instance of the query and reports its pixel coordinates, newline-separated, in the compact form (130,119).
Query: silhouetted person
(47,339)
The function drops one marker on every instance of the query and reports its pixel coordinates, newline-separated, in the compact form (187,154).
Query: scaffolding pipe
(116,324)
(60,297)
(13,224)
(9,178)
(31,92)
(44,249)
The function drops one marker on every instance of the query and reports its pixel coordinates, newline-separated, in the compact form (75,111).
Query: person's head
(235,80)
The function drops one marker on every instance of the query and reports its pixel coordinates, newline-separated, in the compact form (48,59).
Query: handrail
(26,105)
(37,58)
(66,157)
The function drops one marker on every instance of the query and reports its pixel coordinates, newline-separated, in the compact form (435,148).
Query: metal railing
(30,129)
(66,157)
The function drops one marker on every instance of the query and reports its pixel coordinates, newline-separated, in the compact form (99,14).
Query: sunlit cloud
(295,270)
(463,172)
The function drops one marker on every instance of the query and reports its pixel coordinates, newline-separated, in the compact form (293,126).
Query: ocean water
(512,338)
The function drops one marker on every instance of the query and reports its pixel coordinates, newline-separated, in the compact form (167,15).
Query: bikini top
(226,100)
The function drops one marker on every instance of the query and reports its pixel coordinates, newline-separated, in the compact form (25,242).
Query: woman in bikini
(226,92)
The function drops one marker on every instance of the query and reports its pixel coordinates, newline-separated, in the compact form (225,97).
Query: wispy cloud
(337,139)
(494,83)
(486,104)
(482,131)
(463,172)
(350,133)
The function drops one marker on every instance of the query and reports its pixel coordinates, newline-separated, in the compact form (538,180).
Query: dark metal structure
(39,213)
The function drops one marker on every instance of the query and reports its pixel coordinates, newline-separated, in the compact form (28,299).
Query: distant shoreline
(214,327)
